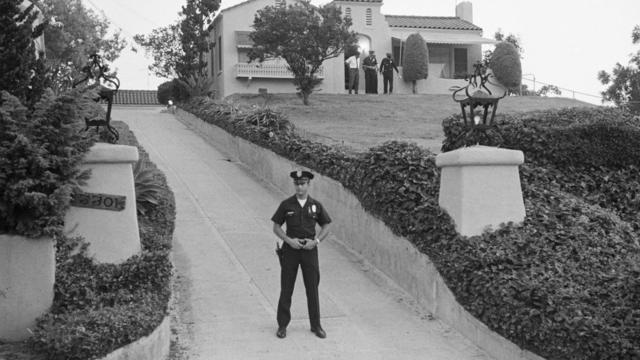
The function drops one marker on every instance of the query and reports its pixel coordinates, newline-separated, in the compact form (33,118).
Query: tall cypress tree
(20,73)
(415,65)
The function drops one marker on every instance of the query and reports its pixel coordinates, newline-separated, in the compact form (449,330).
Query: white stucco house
(454,45)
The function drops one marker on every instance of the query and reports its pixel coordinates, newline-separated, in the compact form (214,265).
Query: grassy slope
(363,121)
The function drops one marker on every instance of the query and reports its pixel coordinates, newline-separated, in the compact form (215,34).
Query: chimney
(464,11)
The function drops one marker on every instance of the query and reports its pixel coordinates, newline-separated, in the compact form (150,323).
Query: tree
(20,71)
(505,64)
(164,45)
(304,36)
(500,37)
(549,89)
(194,28)
(624,81)
(415,64)
(75,33)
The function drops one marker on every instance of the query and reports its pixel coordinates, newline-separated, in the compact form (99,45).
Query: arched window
(369,17)
(347,12)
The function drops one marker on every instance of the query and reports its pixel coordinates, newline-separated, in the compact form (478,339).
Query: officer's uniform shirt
(301,220)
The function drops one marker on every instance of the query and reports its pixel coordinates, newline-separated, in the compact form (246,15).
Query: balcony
(268,71)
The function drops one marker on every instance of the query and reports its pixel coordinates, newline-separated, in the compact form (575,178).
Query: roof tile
(430,22)
(136,97)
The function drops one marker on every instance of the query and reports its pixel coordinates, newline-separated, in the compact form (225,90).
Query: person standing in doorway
(301,213)
(386,69)
(353,62)
(370,65)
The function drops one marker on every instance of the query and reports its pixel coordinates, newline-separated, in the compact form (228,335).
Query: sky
(566,42)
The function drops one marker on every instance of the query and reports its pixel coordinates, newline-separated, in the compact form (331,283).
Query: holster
(279,253)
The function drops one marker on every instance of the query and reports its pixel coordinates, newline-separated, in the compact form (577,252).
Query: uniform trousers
(308,261)
(388,81)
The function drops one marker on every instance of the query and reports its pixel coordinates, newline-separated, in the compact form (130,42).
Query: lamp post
(478,95)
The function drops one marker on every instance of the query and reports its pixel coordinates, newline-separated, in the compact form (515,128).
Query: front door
(460,66)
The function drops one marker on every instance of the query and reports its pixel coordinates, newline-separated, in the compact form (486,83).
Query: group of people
(370,67)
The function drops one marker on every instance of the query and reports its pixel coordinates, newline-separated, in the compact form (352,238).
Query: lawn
(363,121)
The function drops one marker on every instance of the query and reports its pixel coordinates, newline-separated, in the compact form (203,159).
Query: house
(454,44)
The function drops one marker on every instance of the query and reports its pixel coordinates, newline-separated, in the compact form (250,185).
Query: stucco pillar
(480,187)
(27,274)
(113,235)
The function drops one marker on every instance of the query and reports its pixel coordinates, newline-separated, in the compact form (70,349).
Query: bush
(165,92)
(40,155)
(415,65)
(175,90)
(565,284)
(505,64)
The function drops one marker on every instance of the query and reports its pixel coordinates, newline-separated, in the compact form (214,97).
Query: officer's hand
(310,245)
(295,243)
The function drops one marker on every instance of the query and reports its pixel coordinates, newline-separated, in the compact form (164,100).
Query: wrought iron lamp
(96,71)
(477,94)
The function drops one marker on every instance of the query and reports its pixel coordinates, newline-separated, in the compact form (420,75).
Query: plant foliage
(624,81)
(304,36)
(415,64)
(40,154)
(505,64)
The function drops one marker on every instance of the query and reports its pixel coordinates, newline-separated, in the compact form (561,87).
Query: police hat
(301,175)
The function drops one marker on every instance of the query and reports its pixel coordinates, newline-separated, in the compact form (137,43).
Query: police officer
(301,213)
(386,69)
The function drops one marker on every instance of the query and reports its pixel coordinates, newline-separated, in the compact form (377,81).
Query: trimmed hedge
(565,284)
(505,64)
(99,308)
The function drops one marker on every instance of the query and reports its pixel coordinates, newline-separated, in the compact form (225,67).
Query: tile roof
(136,97)
(430,22)
(371,1)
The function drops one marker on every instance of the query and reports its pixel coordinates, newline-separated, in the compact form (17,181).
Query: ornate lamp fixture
(96,71)
(478,95)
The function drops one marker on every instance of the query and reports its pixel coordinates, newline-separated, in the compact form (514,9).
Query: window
(219,45)
(281,3)
(369,17)
(347,12)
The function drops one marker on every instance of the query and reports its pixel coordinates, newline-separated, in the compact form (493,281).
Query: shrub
(415,65)
(40,154)
(175,90)
(565,284)
(505,64)
(164,92)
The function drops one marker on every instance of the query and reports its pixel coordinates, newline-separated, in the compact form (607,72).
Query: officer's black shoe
(319,332)
(282,332)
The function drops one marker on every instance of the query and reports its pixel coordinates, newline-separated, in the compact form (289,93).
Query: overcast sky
(566,42)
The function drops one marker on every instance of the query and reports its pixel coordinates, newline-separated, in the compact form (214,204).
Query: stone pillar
(480,187)
(113,235)
(27,274)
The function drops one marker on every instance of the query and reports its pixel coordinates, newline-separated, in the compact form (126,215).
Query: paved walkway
(223,251)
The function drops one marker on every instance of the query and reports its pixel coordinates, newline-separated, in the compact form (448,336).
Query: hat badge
(299,173)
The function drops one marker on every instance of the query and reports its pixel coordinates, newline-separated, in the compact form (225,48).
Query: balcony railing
(272,71)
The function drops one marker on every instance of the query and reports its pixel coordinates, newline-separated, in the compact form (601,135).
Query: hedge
(565,284)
